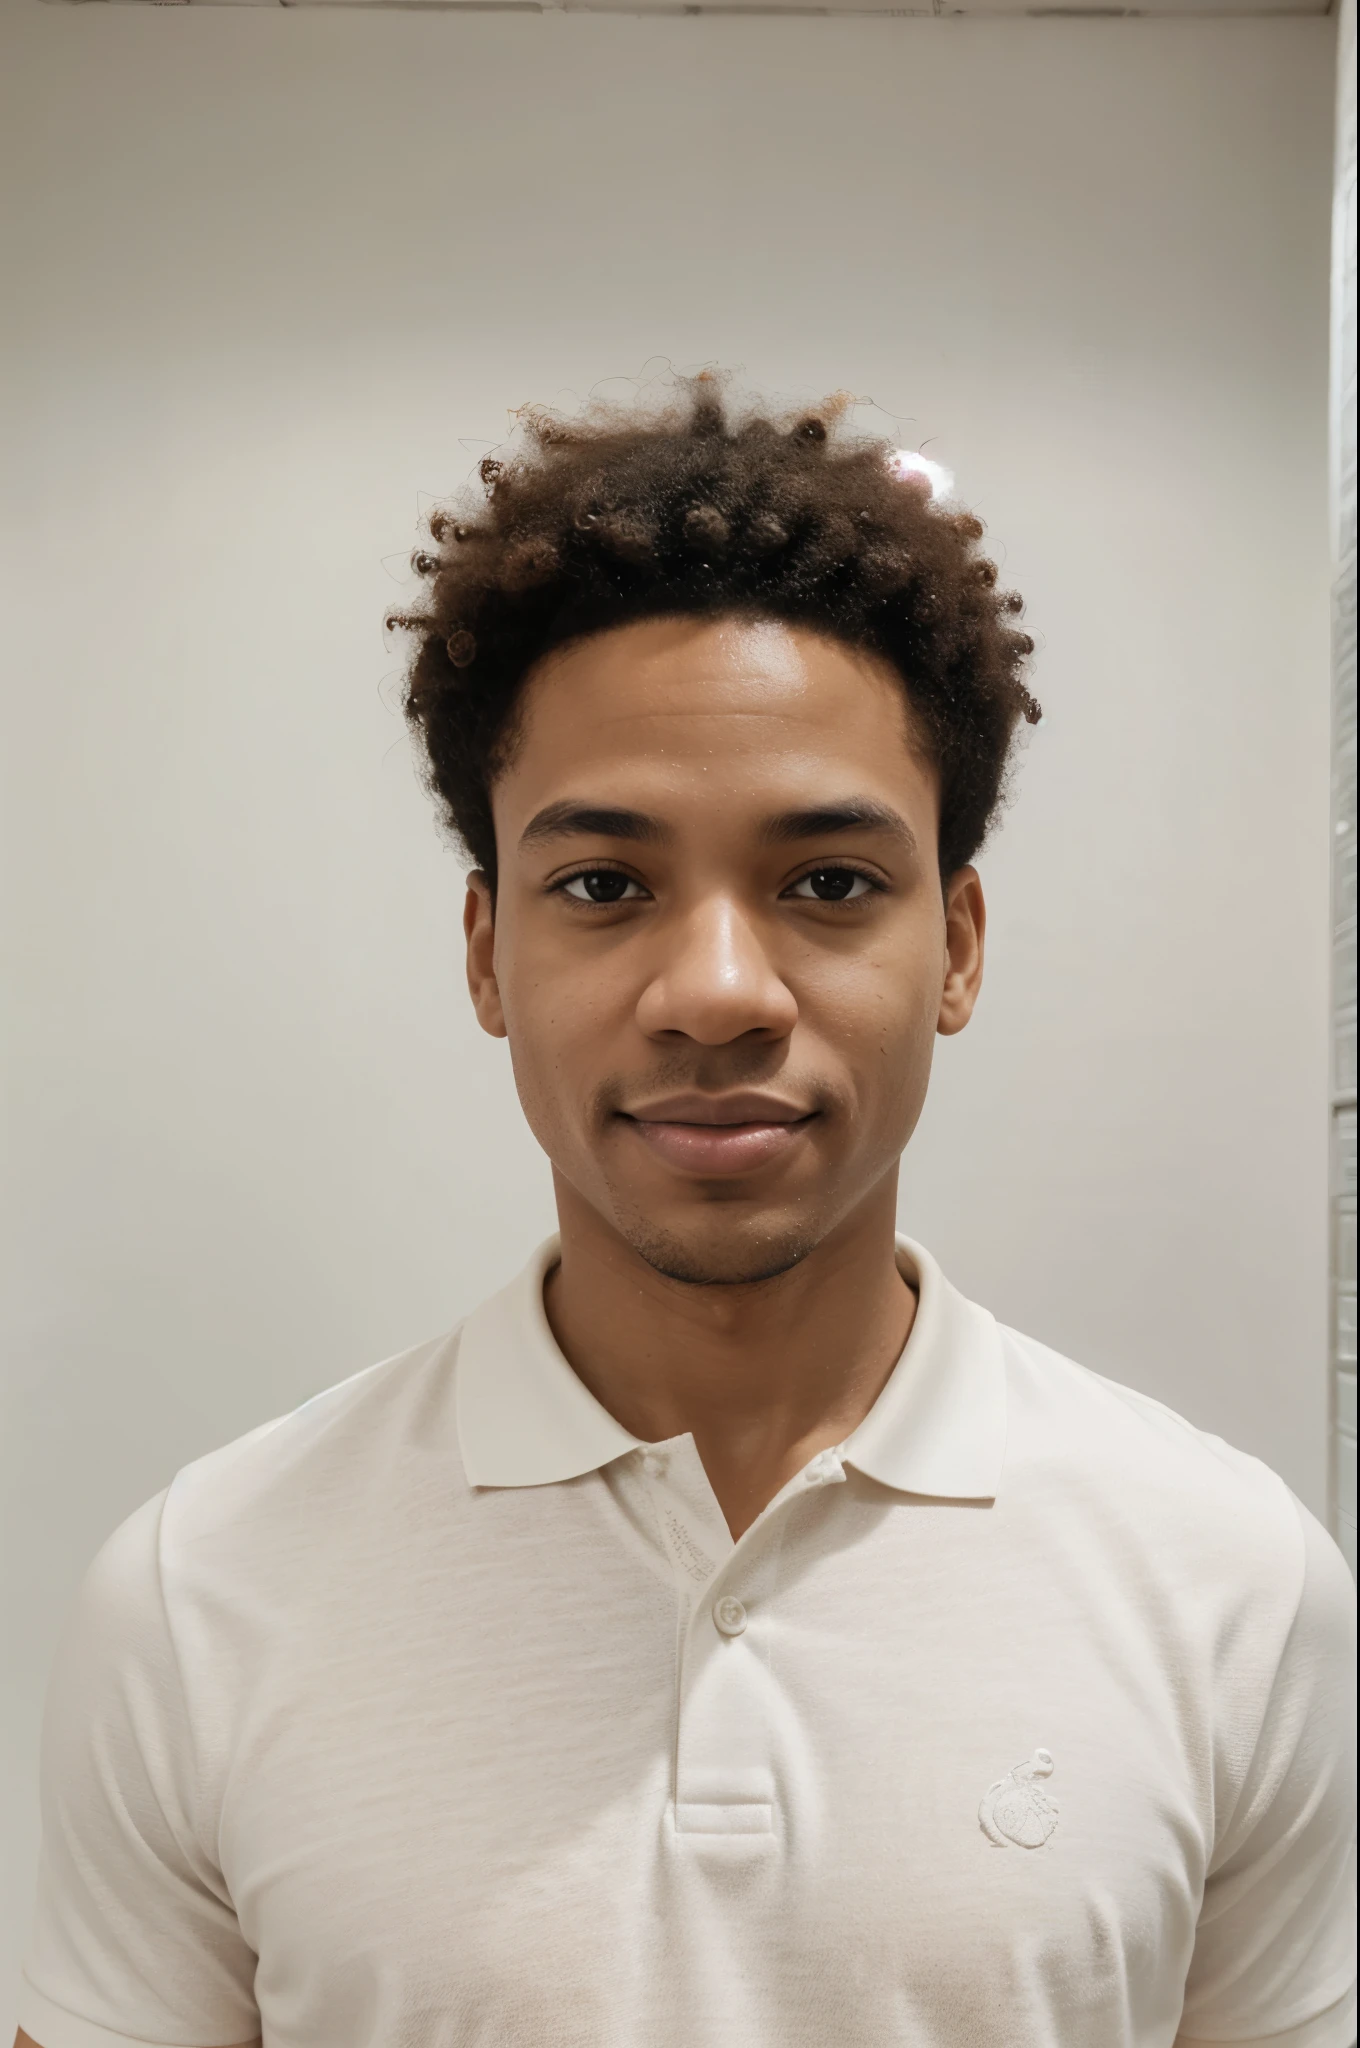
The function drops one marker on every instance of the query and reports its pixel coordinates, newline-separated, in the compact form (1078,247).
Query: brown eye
(832,885)
(600,885)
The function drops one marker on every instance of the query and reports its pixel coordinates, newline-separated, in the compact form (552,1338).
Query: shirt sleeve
(1274,1959)
(135,1943)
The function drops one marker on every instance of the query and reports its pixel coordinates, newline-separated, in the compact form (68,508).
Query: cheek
(876,1015)
(556,1032)
(543,1083)
(894,1073)
(883,1005)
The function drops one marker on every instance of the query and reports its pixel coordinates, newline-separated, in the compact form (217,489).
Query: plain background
(276,277)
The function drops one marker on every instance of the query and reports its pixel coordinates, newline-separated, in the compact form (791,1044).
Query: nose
(716,982)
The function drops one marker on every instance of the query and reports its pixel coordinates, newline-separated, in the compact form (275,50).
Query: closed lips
(736,1135)
(725,1110)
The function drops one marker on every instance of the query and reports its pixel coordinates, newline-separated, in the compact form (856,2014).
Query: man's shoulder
(381,1434)
(1177,1494)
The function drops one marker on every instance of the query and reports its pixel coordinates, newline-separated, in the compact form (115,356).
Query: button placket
(723,1770)
(724,1780)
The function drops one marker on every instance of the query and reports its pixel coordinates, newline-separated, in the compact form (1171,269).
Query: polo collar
(938,1428)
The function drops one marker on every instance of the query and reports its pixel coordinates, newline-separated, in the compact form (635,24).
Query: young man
(730,1638)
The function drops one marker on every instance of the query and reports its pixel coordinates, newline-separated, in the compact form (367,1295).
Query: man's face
(720,949)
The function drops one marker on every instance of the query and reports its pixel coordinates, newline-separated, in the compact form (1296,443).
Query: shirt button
(822,1467)
(729,1616)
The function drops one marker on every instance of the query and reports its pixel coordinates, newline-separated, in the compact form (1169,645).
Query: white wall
(279,273)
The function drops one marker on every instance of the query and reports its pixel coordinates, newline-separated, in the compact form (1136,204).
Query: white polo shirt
(442,1712)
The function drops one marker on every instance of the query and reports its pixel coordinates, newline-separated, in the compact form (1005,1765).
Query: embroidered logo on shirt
(1016,1811)
(691,1559)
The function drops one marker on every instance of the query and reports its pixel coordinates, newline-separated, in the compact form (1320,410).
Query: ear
(479,929)
(965,929)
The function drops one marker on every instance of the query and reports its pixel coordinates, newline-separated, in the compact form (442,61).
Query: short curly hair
(698,510)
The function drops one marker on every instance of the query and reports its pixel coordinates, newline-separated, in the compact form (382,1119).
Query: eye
(602,885)
(831,885)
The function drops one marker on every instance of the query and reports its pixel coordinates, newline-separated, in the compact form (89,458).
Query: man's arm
(1274,1955)
(135,1936)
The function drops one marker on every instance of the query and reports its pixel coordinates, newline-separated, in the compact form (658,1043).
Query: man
(730,1636)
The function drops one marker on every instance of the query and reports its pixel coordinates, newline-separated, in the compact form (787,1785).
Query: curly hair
(696,511)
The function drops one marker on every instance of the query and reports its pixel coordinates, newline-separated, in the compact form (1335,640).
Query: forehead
(724,710)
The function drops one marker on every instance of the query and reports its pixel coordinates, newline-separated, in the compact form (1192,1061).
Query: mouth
(711,1136)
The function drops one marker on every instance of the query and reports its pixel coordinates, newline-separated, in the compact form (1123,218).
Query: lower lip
(720,1148)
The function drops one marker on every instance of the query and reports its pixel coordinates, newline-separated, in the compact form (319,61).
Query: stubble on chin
(715,1252)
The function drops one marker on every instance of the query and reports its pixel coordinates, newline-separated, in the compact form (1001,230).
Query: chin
(712,1254)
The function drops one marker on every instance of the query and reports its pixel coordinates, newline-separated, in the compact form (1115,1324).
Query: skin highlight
(721,950)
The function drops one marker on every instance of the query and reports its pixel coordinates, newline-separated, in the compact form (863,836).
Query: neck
(762,1376)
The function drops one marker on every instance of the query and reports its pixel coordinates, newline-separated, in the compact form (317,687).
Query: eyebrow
(601,821)
(853,814)
(572,818)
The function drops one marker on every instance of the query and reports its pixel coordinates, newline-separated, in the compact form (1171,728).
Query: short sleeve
(1274,1958)
(135,1940)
